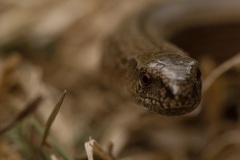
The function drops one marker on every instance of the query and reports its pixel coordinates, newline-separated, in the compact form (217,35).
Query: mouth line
(156,106)
(151,101)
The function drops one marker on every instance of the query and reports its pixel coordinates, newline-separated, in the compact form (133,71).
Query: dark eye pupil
(145,79)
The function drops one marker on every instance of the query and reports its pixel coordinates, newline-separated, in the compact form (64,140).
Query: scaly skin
(158,75)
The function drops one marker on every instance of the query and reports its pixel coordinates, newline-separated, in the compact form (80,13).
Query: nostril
(169,93)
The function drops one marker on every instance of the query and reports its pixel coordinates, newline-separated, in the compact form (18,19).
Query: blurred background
(47,47)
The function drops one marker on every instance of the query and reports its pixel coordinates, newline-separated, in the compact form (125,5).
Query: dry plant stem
(89,149)
(92,146)
(216,73)
(28,109)
(48,126)
(103,154)
(52,118)
(55,146)
(219,71)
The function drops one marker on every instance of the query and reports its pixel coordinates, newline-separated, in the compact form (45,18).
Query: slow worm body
(140,58)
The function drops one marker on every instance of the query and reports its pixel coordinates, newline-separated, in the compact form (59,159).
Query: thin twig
(28,109)
(219,71)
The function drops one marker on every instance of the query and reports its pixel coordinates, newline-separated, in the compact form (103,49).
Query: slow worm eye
(145,79)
